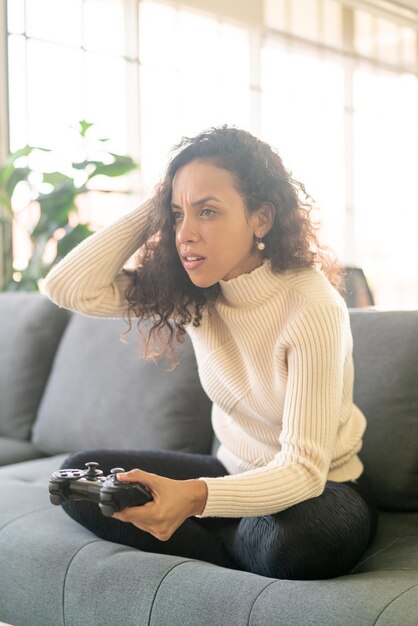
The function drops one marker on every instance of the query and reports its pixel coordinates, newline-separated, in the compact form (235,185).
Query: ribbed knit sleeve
(89,278)
(315,343)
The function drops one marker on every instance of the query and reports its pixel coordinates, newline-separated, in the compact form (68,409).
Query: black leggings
(319,538)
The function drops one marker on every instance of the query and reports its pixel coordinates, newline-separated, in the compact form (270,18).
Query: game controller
(90,485)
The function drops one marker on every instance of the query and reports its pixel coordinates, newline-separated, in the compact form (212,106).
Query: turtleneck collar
(249,289)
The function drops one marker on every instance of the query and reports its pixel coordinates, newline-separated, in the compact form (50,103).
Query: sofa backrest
(95,391)
(31,329)
(102,393)
(386,389)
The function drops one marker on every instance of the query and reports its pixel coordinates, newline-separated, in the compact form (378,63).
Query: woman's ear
(265,219)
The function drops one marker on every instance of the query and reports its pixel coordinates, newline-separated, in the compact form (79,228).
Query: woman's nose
(187,231)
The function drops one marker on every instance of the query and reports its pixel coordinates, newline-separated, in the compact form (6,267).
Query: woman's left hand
(173,502)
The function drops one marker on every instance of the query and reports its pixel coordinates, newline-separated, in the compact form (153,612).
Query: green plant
(60,201)
(10,176)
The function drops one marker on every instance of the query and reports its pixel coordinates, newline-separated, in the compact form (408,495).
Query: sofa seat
(69,383)
(90,574)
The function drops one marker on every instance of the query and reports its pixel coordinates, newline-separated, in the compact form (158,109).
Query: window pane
(159,37)
(16,16)
(303,117)
(386,188)
(54,91)
(332,23)
(160,127)
(275,14)
(55,20)
(187,41)
(195,73)
(409,47)
(234,55)
(304,19)
(190,107)
(105,94)
(198,43)
(388,42)
(104,28)
(364,33)
(17,93)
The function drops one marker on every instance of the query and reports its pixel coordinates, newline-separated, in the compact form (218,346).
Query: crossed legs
(319,538)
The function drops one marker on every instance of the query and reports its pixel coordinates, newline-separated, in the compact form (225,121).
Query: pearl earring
(259,244)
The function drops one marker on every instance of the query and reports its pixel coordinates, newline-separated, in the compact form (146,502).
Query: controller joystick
(116,470)
(92,472)
(90,485)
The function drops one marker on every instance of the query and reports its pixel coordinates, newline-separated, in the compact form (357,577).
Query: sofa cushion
(102,393)
(16,451)
(386,389)
(31,328)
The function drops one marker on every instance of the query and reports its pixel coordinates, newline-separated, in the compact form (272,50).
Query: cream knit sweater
(275,357)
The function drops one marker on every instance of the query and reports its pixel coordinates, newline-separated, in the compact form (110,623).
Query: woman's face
(214,234)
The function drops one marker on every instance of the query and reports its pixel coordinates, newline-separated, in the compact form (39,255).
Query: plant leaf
(83,164)
(55,209)
(84,126)
(8,168)
(75,236)
(55,178)
(120,166)
(18,174)
(25,151)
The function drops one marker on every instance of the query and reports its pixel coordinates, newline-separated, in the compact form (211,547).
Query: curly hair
(161,288)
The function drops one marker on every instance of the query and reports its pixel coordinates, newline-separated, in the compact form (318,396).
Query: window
(333,88)
(194,74)
(385,183)
(340,102)
(302,115)
(64,68)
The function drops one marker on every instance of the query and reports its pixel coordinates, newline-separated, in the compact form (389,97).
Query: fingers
(120,516)
(156,528)
(137,515)
(136,476)
(151,481)
(131,476)
(167,510)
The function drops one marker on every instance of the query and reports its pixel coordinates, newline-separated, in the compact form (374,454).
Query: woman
(229,255)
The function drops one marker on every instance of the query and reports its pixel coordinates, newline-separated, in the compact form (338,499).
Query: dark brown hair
(162,290)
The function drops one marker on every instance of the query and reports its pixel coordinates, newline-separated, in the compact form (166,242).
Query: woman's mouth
(192,262)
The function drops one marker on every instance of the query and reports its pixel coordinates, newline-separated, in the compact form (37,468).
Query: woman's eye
(207,212)
(176,215)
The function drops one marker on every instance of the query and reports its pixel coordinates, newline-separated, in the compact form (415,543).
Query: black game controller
(90,485)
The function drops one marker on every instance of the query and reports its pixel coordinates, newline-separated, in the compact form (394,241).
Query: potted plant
(58,203)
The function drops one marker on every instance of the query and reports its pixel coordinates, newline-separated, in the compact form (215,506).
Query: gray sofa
(68,382)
